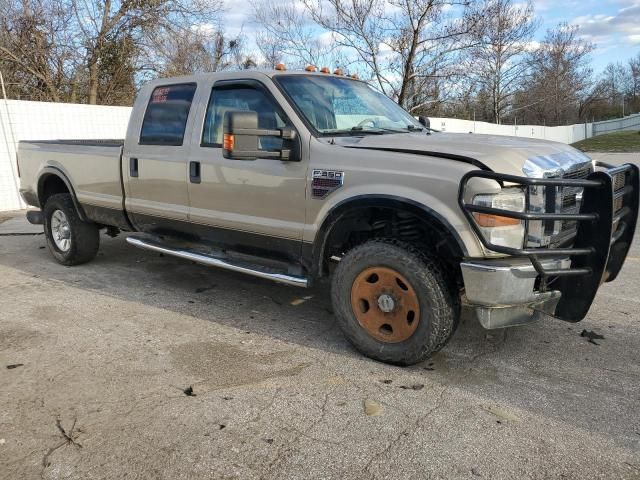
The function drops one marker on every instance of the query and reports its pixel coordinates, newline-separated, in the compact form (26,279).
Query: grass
(617,142)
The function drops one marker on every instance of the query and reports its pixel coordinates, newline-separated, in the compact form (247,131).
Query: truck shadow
(291,314)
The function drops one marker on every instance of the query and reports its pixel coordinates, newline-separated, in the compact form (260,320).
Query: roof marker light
(324,70)
(281,67)
(337,71)
(310,68)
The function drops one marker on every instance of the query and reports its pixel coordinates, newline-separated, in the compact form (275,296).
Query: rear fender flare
(50,171)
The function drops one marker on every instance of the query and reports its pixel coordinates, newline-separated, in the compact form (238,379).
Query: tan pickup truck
(295,176)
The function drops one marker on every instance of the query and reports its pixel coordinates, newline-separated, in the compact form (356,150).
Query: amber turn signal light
(337,71)
(281,67)
(228,142)
(310,68)
(486,220)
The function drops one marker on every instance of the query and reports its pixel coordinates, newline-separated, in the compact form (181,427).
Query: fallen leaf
(14,365)
(189,392)
(300,301)
(591,336)
(417,386)
(204,289)
(372,408)
(500,412)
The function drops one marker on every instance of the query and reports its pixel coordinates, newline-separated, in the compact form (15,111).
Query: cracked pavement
(109,347)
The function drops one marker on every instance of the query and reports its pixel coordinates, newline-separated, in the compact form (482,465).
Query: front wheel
(70,240)
(394,303)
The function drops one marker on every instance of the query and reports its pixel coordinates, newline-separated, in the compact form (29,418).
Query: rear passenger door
(155,159)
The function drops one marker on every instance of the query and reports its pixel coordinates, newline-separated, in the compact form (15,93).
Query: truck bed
(92,167)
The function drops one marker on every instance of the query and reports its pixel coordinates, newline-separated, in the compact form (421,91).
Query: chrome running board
(216,262)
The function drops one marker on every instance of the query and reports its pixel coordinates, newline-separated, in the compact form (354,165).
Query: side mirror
(424,121)
(241,139)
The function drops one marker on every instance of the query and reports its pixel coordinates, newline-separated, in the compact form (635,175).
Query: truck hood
(509,155)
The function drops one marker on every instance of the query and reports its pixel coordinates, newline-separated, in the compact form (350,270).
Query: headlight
(499,230)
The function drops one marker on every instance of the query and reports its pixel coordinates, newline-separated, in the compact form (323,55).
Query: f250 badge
(324,182)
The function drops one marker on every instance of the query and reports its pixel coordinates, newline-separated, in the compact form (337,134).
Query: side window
(227,99)
(166,117)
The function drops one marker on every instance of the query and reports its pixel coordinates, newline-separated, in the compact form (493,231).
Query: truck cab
(299,176)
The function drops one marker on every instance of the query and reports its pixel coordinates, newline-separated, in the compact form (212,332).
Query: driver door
(254,206)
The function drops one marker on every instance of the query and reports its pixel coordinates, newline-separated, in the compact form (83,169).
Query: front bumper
(501,291)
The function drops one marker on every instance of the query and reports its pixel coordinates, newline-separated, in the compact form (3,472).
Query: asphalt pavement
(140,366)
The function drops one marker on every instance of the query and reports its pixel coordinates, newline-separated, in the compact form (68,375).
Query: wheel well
(421,229)
(51,185)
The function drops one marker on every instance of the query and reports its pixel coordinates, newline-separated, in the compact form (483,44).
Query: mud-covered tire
(439,303)
(84,238)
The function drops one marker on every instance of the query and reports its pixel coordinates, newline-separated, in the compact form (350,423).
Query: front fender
(418,202)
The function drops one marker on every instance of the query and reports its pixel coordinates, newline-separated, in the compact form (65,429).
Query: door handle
(133,167)
(194,172)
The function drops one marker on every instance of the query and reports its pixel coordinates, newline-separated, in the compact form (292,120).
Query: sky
(613,25)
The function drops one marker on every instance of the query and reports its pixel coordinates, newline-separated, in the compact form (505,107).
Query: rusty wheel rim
(385,304)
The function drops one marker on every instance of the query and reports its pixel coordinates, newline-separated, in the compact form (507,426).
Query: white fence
(566,134)
(20,120)
(632,122)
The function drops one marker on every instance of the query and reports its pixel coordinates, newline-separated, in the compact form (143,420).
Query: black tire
(84,236)
(439,303)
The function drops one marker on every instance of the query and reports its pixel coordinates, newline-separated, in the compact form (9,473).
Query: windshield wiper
(353,131)
(374,131)
(357,130)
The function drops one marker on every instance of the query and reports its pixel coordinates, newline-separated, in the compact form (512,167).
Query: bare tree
(404,45)
(37,54)
(560,78)
(287,33)
(102,22)
(498,63)
(205,49)
(634,69)
(617,83)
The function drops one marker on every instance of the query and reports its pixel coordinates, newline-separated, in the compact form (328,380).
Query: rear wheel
(70,240)
(394,303)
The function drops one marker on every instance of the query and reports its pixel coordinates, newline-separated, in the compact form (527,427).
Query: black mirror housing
(241,139)
(424,121)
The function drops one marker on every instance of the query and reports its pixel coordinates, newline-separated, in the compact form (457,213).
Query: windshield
(335,105)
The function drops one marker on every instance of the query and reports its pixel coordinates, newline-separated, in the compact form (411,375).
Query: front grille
(566,200)
(619,181)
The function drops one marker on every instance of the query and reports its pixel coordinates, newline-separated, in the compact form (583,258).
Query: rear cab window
(165,119)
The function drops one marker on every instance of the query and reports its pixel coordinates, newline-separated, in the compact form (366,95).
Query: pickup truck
(296,176)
